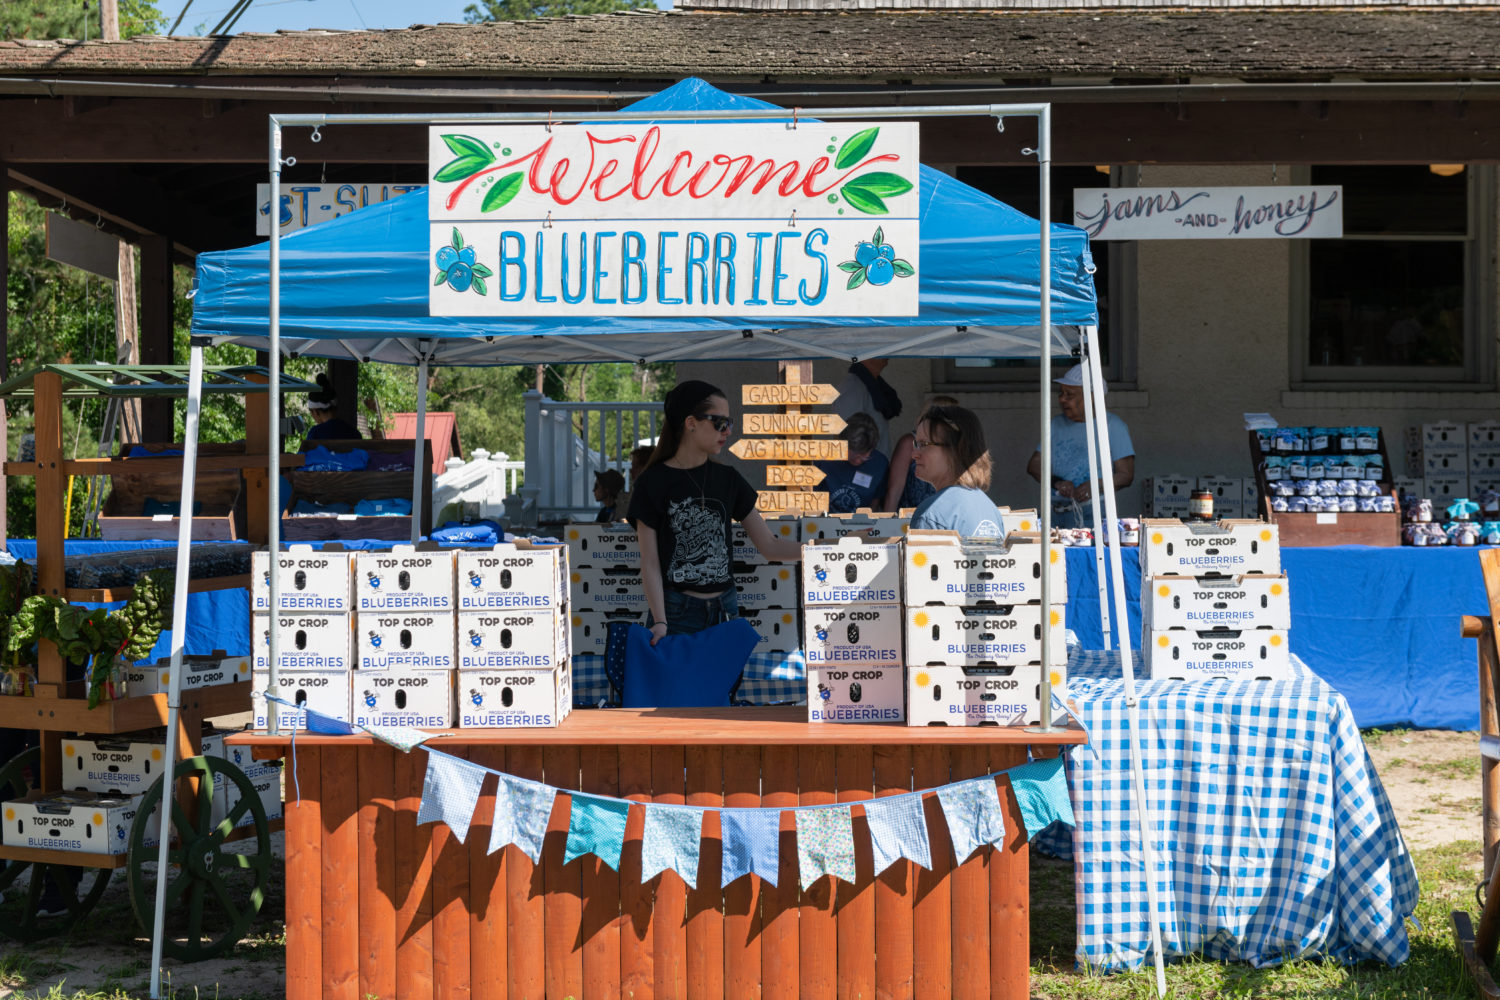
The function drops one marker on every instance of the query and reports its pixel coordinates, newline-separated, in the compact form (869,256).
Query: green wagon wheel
(78,888)
(213,894)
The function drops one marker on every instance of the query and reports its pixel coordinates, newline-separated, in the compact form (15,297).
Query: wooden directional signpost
(796,495)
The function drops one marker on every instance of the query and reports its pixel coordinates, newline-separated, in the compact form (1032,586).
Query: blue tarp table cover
(1378,624)
(770,679)
(1277,837)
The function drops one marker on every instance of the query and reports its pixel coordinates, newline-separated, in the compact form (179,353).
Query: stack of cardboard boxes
(1168,496)
(1445,462)
(973,629)
(314,623)
(767,591)
(1484,458)
(604,583)
(1214,602)
(404,600)
(851,629)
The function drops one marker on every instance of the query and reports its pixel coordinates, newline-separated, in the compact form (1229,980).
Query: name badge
(862,479)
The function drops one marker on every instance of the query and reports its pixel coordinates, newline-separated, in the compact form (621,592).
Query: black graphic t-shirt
(690,510)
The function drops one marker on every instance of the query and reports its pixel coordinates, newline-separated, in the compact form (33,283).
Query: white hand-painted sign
(304,205)
(1210,213)
(723,219)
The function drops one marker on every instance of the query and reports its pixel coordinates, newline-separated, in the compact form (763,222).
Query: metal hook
(289,161)
(1027,151)
(999,123)
(1273,173)
(795,112)
(99,222)
(317,134)
(793,220)
(547,222)
(549,119)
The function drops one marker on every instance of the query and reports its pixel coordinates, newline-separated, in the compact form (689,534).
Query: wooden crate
(352,487)
(217,497)
(1301,530)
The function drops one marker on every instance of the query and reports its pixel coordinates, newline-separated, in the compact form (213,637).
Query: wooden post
(51,487)
(127,339)
(156,330)
(258,442)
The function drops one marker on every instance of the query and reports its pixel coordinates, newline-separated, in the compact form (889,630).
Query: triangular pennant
(403,738)
(898,829)
(825,844)
(752,843)
(972,809)
(597,826)
(672,838)
(522,809)
(450,792)
(1041,790)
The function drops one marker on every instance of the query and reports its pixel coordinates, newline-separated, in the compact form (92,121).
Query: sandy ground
(1432,778)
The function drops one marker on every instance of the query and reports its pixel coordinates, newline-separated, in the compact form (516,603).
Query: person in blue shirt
(951,455)
(326,426)
(1071,489)
(859,480)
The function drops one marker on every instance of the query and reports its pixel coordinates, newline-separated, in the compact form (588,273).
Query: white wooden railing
(566,444)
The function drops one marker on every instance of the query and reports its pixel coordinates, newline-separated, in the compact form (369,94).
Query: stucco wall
(1214,343)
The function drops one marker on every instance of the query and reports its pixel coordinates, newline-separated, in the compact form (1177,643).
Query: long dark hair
(963,440)
(687,399)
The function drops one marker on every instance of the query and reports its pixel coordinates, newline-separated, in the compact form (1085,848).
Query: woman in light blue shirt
(952,457)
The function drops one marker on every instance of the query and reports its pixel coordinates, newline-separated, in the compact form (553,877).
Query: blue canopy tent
(357,287)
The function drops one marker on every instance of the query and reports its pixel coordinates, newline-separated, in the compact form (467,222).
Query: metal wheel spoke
(195,912)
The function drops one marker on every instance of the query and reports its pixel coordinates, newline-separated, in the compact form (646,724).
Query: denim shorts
(687,614)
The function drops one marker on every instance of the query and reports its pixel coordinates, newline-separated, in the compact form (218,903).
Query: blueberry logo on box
(474,638)
(822,574)
(238,757)
(825,692)
(374,579)
(119,833)
(475,580)
(821,631)
(375,640)
(476,698)
(369,699)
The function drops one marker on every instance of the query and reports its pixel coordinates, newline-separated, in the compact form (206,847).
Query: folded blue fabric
(475,531)
(310,508)
(141,451)
(687,671)
(389,461)
(320,459)
(378,508)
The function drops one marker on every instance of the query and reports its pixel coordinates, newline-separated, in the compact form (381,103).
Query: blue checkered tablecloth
(1274,836)
(770,679)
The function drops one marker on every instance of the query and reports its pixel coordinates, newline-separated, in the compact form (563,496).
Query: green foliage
(525,10)
(66,19)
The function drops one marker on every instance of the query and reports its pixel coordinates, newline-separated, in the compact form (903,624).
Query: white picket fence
(566,444)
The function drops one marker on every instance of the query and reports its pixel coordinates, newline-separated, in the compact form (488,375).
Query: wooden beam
(156,330)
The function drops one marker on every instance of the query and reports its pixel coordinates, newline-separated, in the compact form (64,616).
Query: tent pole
(1139,799)
(1094,482)
(179,640)
(1044,369)
(273,408)
(419,465)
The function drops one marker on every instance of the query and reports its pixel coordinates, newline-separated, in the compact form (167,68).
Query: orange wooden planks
(563,884)
(376,782)
(413,883)
(705,904)
(817,925)
(339,880)
(525,907)
(855,904)
(780,939)
(895,890)
(450,910)
(637,944)
(600,929)
(488,948)
(741,898)
(932,917)
(970,884)
(1010,892)
(304,897)
(669,923)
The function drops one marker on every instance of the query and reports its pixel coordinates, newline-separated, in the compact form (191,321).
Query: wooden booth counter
(377,905)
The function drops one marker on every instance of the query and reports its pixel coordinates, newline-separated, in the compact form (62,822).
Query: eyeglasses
(917,444)
(721,423)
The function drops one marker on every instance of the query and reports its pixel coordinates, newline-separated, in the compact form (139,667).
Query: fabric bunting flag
(597,827)
(752,843)
(672,838)
(972,809)
(825,844)
(450,793)
(1041,790)
(522,809)
(898,829)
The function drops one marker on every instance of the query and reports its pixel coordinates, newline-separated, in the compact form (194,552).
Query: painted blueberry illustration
(458,266)
(369,699)
(875,262)
(476,697)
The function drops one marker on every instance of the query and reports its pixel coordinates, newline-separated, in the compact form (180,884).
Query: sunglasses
(721,423)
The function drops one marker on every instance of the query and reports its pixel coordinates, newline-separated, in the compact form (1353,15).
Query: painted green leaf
(866,201)
(481,271)
(856,279)
(457,170)
(479,286)
(467,145)
(501,192)
(884,183)
(850,265)
(458,239)
(442,276)
(903,269)
(879,235)
(855,147)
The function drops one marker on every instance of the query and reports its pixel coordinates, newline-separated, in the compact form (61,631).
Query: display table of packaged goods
(1272,829)
(1378,624)
(421,915)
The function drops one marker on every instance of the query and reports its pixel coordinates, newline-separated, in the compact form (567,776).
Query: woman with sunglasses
(951,456)
(682,508)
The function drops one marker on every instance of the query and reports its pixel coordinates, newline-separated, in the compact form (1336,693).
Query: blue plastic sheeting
(1379,624)
(365,277)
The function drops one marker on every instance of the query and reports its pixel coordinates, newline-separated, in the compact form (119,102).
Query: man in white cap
(1070,455)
